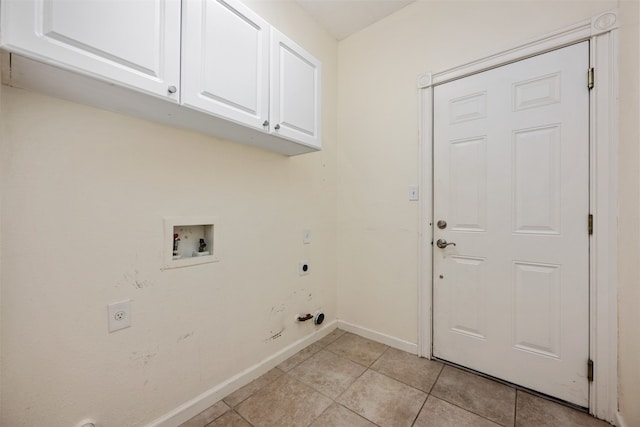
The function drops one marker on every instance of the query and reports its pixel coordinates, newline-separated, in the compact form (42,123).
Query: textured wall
(84,196)
(378,153)
(84,192)
(629,215)
(378,138)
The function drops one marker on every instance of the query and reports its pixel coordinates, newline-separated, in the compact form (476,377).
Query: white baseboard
(619,420)
(394,342)
(198,404)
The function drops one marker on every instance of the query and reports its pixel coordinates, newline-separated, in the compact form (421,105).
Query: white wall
(378,153)
(84,196)
(84,192)
(3,167)
(629,215)
(378,134)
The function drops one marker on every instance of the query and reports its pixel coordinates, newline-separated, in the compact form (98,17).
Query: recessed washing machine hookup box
(189,241)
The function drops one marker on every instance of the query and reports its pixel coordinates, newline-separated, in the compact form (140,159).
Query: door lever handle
(441,243)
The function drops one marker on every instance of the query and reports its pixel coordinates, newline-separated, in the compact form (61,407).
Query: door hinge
(590,370)
(590,224)
(590,78)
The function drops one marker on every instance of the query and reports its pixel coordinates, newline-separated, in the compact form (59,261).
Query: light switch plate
(413,193)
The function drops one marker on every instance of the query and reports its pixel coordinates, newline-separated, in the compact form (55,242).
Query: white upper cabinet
(295,92)
(225,61)
(236,66)
(130,43)
(226,71)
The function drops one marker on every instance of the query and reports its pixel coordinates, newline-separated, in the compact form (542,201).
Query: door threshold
(515,386)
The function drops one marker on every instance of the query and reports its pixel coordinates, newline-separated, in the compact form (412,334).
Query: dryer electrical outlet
(303,268)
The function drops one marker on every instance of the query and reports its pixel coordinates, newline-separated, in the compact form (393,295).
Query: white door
(511,180)
(132,43)
(295,91)
(225,56)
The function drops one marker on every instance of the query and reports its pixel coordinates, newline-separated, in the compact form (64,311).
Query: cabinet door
(225,57)
(130,43)
(295,92)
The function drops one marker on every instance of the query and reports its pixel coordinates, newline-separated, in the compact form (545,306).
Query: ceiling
(341,18)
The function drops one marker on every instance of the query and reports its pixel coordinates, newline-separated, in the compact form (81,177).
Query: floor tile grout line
(466,410)
(322,392)
(354,361)
(342,406)
(515,409)
(437,378)
(317,342)
(420,410)
(321,347)
(401,382)
(370,368)
(246,420)
(352,382)
(367,368)
(349,409)
(250,395)
(300,362)
(407,384)
(340,355)
(321,413)
(359,415)
(452,403)
(516,387)
(333,340)
(334,401)
(379,356)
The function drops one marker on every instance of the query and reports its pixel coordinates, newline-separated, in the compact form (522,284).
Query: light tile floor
(346,380)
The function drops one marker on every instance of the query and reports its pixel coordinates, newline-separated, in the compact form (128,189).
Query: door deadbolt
(441,243)
(442,224)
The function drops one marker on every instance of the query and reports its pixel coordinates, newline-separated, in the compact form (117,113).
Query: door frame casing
(602,33)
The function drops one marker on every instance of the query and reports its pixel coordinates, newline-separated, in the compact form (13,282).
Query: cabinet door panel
(133,43)
(225,61)
(295,91)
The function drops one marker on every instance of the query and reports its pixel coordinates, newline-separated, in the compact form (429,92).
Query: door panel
(536,308)
(511,176)
(536,180)
(468,184)
(468,316)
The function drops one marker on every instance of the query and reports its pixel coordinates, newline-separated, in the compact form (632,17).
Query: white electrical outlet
(306,237)
(119,315)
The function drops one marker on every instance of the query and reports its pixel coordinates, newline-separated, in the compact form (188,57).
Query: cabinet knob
(277,127)
(172,89)
(266,123)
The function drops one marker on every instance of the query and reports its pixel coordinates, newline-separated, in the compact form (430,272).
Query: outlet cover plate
(119,315)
